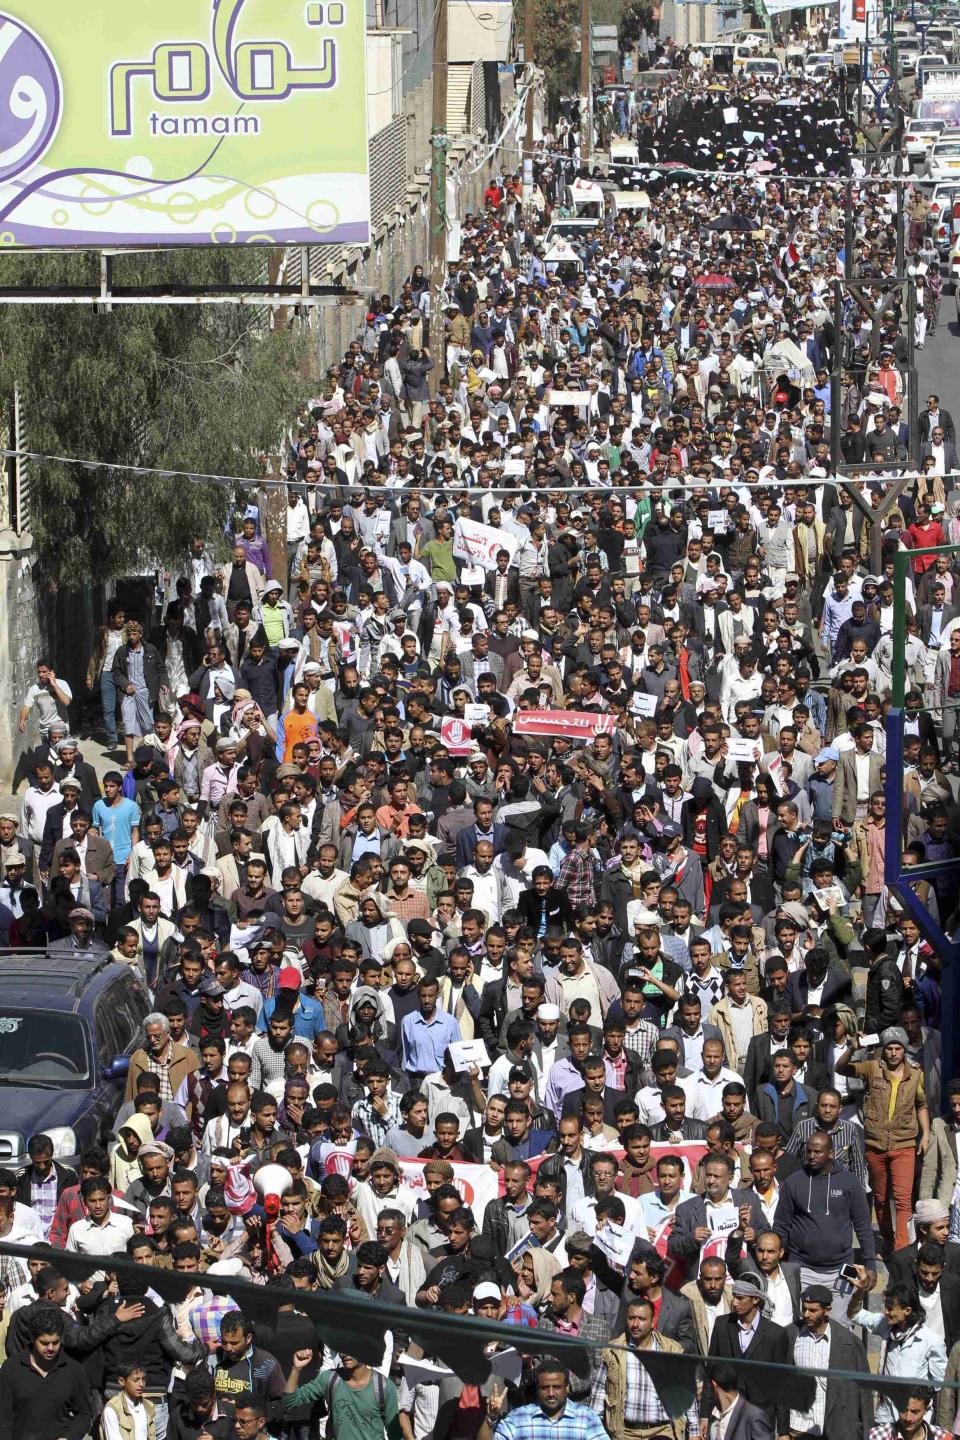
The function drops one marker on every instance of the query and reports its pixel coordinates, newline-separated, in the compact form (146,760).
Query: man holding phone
(820,1209)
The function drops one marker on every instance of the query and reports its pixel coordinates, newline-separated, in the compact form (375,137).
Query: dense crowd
(519,841)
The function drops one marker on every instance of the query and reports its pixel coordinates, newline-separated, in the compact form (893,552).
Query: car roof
(58,982)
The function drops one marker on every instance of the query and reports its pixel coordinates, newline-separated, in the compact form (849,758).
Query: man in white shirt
(705,1089)
(102,1232)
(604,1170)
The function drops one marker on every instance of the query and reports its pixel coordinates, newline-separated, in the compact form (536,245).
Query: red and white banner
(478,1184)
(478,544)
(563,724)
(455,735)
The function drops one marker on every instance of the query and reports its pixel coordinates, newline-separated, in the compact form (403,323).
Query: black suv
(68,1027)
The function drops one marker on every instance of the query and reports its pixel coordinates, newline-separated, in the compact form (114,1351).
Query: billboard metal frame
(305,294)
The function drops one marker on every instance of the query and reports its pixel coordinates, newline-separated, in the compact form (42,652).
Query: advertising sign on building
(195,122)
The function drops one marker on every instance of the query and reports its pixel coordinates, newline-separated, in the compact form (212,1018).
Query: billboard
(194,122)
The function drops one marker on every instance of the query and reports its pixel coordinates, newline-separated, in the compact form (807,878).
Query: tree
(636,17)
(190,388)
(557,51)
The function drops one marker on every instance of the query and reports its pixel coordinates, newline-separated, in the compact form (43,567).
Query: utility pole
(529,42)
(586,91)
(439,145)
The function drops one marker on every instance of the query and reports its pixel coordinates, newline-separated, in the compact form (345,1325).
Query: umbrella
(714,282)
(761,167)
(731,222)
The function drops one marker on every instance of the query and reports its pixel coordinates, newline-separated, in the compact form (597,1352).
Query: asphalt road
(938,363)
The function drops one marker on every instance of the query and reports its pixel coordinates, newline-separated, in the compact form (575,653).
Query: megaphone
(272,1181)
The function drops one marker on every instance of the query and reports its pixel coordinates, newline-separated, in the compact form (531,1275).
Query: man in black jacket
(41,1183)
(193,1412)
(677,1127)
(42,1391)
(885,990)
(748,1333)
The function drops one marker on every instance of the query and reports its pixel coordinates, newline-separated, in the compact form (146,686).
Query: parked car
(920,136)
(68,1028)
(943,162)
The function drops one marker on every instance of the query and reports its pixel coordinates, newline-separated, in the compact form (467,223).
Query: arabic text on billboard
(191,122)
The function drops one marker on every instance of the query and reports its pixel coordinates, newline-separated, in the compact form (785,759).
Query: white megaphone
(272,1181)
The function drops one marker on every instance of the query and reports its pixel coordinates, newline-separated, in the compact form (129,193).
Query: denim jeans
(108,699)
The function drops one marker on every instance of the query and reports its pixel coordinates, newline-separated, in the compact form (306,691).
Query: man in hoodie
(821,1209)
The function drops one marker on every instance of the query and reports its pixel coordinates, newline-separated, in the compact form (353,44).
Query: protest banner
(567,724)
(478,1184)
(478,544)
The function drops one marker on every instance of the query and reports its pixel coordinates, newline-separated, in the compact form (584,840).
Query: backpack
(379,1392)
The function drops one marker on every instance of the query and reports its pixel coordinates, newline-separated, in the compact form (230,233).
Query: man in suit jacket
(849,1406)
(766,1342)
(504,581)
(481,660)
(835,982)
(72,766)
(925,614)
(931,1221)
(470,834)
(746,1422)
(691,1229)
(936,416)
(939,446)
(644,1276)
(939,1174)
(835,539)
(780,1278)
(757,1068)
(57,821)
(846,788)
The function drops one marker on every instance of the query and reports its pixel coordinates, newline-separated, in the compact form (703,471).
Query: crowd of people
(519,839)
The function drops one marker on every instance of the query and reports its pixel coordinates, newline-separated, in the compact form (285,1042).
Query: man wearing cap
(81,940)
(896,1125)
(308,1017)
(56,825)
(839,1406)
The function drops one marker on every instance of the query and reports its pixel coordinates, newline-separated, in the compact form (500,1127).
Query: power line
(519,482)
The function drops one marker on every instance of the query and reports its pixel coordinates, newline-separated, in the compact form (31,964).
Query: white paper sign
(423,1372)
(730,115)
(515,467)
(743,752)
(476,714)
(465,1053)
(478,544)
(721,1219)
(644,704)
(717,519)
(472,575)
(616,1242)
(569,397)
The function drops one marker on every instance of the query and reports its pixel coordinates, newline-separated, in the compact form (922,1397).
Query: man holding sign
(704,1222)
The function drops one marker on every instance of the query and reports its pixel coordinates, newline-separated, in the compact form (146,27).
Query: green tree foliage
(557,45)
(636,17)
(202,388)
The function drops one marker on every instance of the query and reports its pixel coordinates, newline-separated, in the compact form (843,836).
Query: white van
(765,67)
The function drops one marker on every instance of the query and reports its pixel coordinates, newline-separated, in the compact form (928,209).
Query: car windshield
(41,1048)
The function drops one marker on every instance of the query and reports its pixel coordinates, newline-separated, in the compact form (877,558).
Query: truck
(941,97)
